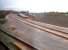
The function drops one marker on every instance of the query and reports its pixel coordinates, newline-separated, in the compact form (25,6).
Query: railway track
(49,26)
(13,42)
(46,29)
(34,35)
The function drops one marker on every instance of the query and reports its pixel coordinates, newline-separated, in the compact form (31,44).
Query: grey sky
(35,5)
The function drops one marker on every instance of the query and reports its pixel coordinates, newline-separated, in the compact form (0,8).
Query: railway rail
(34,35)
(52,31)
(13,43)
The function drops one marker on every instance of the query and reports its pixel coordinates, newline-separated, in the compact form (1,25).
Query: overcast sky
(35,5)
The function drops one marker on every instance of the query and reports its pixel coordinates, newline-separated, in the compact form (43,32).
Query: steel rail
(18,43)
(39,24)
(54,32)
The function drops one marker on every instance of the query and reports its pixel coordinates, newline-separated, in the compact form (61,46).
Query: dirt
(54,20)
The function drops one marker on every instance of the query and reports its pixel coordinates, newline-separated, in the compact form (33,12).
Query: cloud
(35,5)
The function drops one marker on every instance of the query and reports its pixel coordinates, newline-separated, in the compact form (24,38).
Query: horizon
(34,12)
